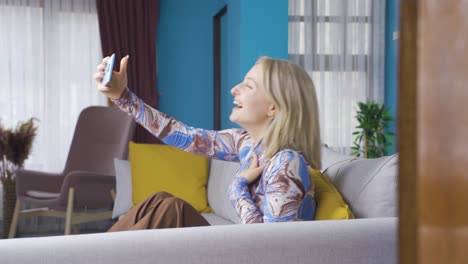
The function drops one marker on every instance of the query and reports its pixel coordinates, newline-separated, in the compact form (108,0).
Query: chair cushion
(221,174)
(123,196)
(157,167)
(369,186)
(330,204)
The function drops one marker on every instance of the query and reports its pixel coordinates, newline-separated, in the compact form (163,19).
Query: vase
(9,201)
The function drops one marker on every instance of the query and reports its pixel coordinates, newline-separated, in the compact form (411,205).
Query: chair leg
(112,193)
(76,230)
(68,217)
(14,221)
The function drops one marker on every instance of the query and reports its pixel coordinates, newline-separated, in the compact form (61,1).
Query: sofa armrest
(326,242)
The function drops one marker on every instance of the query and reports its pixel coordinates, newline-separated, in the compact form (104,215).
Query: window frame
(330,58)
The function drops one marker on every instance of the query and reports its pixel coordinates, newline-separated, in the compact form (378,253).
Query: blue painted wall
(185,52)
(253,31)
(227,58)
(184,58)
(230,59)
(264,31)
(391,62)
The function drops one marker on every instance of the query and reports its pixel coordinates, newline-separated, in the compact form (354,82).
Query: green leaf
(373,121)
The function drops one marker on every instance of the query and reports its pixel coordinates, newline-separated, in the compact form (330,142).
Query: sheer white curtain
(341,44)
(49,50)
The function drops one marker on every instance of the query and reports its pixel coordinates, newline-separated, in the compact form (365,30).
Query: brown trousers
(160,210)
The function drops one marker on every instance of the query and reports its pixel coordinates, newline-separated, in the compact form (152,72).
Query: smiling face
(253,109)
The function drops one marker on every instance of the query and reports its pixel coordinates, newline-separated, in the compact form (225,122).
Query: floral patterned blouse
(284,191)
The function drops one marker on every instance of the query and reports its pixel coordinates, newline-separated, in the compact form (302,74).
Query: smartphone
(108,71)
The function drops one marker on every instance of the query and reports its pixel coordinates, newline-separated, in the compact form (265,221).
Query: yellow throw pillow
(330,204)
(158,168)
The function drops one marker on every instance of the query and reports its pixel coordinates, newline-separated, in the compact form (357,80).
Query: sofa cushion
(221,174)
(215,219)
(369,186)
(330,204)
(158,168)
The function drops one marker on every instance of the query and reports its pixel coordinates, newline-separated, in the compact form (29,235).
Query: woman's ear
(271,111)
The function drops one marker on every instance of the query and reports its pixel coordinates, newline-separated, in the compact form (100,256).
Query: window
(49,52)
(341,44)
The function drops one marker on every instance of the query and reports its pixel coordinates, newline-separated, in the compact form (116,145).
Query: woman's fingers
(254,169)
(101,67)
(123,64)
(259,169)
(98,77)
(118,83)
(102,88)
(254,162)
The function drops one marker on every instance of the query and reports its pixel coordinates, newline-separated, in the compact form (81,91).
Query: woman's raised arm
(224,144)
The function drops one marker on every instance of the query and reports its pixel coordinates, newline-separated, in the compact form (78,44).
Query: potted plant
(372,139)
(15,147)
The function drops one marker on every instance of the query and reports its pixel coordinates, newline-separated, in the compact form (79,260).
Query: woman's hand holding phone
(118,81)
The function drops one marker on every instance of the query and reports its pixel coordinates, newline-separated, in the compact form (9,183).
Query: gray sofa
(368,186)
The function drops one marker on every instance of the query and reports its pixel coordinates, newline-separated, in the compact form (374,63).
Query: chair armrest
(326,242)
(77,178)
(92,190)
(36,180)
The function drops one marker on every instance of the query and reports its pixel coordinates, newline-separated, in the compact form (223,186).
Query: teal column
(251,28)
(256,28)
(391,62)
(263,31)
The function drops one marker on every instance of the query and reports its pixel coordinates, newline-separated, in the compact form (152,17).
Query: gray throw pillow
(221,174)
(331,157)
(369,186)
(123,197)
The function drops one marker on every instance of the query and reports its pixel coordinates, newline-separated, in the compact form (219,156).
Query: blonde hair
(296,121)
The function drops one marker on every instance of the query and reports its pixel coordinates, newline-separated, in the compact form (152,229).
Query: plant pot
(9,201)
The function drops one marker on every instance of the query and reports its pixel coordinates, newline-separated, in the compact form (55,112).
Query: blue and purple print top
(284,191)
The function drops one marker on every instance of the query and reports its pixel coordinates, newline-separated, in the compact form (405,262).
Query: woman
(277,108)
